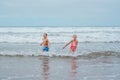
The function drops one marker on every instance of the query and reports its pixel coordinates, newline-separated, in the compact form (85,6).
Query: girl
(74,43)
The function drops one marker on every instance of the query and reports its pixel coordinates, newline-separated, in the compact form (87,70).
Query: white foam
(59,34)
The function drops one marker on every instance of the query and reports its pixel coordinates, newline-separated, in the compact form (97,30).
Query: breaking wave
(55,34)
(77,55)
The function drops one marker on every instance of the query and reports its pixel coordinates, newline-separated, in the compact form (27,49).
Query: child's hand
(40,44)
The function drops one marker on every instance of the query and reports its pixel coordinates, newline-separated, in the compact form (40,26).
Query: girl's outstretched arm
(67,44)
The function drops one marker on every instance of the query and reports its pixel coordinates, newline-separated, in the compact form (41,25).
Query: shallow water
(97,56)
(46,68)
(33,49)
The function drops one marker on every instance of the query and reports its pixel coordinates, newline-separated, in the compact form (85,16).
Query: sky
(59,12)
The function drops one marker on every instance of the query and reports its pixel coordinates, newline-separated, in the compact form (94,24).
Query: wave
(59,42)
(58,37)
(55,34)
(59,29)
(86,55)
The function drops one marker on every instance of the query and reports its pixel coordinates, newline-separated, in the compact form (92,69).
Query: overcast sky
(59,12)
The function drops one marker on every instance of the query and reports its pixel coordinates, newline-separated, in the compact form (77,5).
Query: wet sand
(56,68)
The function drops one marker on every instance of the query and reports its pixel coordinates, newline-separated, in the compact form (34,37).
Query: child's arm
(48,43)
(67,44)
(41,44)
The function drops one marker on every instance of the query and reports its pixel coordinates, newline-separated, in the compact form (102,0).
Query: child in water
(74,43)
(45,43)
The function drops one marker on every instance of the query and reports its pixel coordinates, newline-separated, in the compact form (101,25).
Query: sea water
(97,56)
(59,34)
(26,40)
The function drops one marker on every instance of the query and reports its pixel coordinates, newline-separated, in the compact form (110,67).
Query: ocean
(26,40)
(97,56)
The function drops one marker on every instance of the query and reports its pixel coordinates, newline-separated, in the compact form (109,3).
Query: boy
(45,43)
(74,43)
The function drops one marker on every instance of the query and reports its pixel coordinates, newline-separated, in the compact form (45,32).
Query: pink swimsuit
(73,46)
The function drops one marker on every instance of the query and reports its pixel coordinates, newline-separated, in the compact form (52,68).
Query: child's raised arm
(67,44)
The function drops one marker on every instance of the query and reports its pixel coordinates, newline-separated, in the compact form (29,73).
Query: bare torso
(45,42)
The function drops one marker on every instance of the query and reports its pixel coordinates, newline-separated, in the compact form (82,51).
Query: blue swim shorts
(45,48)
